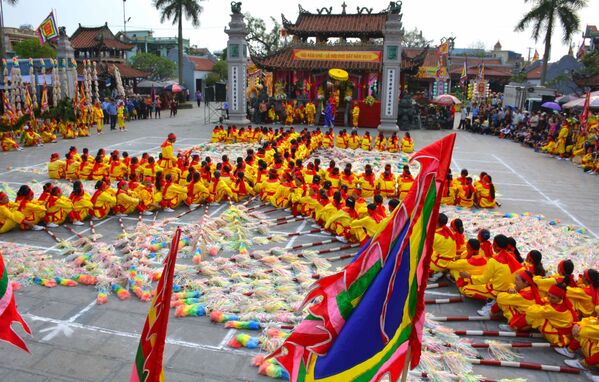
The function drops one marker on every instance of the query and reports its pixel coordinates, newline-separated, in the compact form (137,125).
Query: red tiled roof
(590,81)
(534,74)
(107,68)
(337,24)
(201,63)
(90,37)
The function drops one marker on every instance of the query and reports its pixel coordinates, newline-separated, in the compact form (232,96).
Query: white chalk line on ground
(292,240)
(64,328)
(227,338)
(556,203)
(171,341)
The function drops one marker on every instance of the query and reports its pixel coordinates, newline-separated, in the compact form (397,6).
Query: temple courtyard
(75,339)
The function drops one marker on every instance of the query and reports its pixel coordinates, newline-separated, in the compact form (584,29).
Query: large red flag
(8,311)
(148,361)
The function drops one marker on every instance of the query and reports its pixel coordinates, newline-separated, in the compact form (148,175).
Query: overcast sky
(470,21)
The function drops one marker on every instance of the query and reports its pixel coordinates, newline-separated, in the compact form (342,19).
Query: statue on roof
(62,31)
(395,7)
(236,7)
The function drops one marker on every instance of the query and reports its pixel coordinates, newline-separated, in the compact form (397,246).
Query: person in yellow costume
(550,147)
(310,113)
(364,228)
(58,208)
(444,248)
(103,200)
(69,131)
(56,167)
(499,275)
(404,182)
(354,141)
(329,139)
(340,222)
(474,262)
(120,117)
(407,144)
(393,143)
(586,339)
(465,194)
(7,143)
(585,296)
(554,318)
(385,183)
(82,129)
(98,117)
(33,210)
(72,167)
(9,216)
(168,155)
(126,201)
(289,113)
(270,186)
(219,190)
(517,300)
(341,140)
(380,143)
(485,193)
(448,192)
(30,137)
(272,114)
(148,196)
(355,115)
(173,194)
(48,135)
(561,140)
(82,205)
(366,143)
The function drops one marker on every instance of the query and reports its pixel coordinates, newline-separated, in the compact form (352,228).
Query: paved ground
(76,340)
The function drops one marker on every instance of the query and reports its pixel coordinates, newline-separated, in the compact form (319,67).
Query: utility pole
(124,22)
(529,50)
(2,42)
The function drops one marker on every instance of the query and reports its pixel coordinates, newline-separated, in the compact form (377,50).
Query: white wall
(198,75)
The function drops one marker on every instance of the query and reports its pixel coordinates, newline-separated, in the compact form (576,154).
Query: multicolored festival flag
(44,99)
(8,111)
(47,30)
(8,311)
(464,75)
(366,321)
(535,57)
(148,361)
(584,117)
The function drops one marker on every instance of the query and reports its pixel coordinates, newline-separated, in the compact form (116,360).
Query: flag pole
(406,366)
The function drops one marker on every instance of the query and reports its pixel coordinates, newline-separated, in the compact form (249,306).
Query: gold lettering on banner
(328,55)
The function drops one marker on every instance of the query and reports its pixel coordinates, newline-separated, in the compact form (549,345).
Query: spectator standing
(112,111)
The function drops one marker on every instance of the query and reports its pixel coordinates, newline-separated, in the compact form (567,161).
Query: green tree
(32,48)
(219,73)
(176,10)
(544,15)
(261,40)
(591,63)
(415,39)
(2,46)
(160,68)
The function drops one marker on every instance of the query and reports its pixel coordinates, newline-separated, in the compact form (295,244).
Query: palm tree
(544,15)
(2,47)
(176,9)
